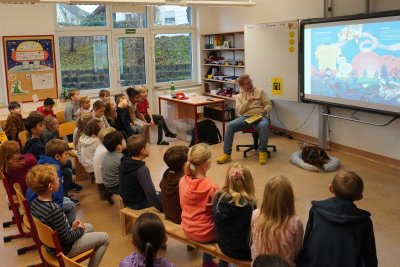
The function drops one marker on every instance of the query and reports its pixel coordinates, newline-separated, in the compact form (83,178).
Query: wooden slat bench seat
(174,231)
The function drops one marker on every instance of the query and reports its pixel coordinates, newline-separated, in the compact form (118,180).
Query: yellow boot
(224,158)
(262,158)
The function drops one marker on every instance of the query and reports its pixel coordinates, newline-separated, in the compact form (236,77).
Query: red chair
(25,211)
(17,219)
(254,146)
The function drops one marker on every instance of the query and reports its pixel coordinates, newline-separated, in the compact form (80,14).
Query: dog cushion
(330,166)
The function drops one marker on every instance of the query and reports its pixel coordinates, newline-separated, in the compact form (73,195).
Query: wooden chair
(70,263)
(25,211)
(60,116)
(65,129)
(23,137)
(49,237)
(17,218)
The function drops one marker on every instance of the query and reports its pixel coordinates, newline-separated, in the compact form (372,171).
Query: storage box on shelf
(223,56)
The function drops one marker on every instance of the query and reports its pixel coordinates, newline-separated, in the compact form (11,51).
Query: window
(172,15)
(81,15)
(84,62)
(130,20)
(132,68)
(173,57)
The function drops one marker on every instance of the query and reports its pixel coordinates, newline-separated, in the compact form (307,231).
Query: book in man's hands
(253,118)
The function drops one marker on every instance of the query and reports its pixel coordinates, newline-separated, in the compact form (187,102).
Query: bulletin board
(30,67)
(272,58)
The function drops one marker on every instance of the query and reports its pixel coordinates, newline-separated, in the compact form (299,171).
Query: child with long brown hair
(196,190)
(275,229)
(13,165)
(88,142)
(233,206)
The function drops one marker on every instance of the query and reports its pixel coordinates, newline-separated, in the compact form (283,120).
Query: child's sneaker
(262,158)
(170,134)
(224,158)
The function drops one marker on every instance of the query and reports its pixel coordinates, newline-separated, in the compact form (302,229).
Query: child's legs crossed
(97,240)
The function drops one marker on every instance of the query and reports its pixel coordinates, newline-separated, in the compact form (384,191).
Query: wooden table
(187,108)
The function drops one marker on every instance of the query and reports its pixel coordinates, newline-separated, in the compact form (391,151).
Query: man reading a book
(251,101)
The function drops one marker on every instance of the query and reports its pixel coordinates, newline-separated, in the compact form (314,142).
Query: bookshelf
(222,62)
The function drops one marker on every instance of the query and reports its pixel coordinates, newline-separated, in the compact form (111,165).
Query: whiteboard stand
(322,126)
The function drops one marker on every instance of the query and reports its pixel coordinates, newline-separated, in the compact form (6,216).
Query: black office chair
(254,146)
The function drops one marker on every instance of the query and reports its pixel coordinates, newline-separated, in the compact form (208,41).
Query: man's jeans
(239,124)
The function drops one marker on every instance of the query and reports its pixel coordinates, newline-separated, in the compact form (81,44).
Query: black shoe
(170,134)
(76,187)
(110,200)
(163,143)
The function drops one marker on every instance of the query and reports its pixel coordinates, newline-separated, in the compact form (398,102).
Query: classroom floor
(381,198)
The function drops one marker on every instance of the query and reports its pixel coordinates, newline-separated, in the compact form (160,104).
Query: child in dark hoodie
(232,209)
(136,187)
(57,154)
(34,125)
(338,233)
(175,157)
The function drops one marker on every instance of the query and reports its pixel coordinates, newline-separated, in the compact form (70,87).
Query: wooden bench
(174,231)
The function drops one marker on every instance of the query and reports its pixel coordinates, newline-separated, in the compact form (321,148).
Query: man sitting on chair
(251,101)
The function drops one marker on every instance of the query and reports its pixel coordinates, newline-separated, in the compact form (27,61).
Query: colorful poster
(30,65)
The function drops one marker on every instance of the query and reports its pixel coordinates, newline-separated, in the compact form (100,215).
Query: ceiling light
(218,3)
(119,2)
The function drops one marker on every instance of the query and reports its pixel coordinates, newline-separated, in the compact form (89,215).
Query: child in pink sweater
(275,229)
(196,190)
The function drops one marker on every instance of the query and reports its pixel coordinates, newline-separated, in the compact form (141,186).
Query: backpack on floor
(208,133)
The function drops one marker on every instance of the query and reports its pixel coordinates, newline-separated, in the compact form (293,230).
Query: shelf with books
(223,55)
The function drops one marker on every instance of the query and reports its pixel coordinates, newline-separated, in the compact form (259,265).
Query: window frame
(112,33)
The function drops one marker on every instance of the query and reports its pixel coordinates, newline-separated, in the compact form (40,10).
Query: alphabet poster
(30,67)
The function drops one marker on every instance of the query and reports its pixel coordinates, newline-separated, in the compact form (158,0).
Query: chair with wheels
(254,146)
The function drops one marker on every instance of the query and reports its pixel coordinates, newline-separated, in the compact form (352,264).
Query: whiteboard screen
(271,55)
(352,61)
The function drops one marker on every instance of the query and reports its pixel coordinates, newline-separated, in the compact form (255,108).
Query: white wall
(23,20)
(379,140)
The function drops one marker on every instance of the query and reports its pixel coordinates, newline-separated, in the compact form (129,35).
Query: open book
(253,118)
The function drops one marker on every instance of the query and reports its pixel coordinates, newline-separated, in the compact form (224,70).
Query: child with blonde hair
(146,115)
(73,105)
(275,229)
(51,132)
(84,105)
(233,206)
(196,190)
(76,237)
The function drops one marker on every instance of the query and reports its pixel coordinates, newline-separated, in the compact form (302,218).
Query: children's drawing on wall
(30,66)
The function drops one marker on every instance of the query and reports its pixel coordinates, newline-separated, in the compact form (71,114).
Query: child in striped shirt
(75,238)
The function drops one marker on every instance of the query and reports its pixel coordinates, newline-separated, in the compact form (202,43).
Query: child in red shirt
(146,116)
(47,108)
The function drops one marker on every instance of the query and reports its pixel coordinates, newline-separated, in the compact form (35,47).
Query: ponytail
(149,255)
(198,154)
